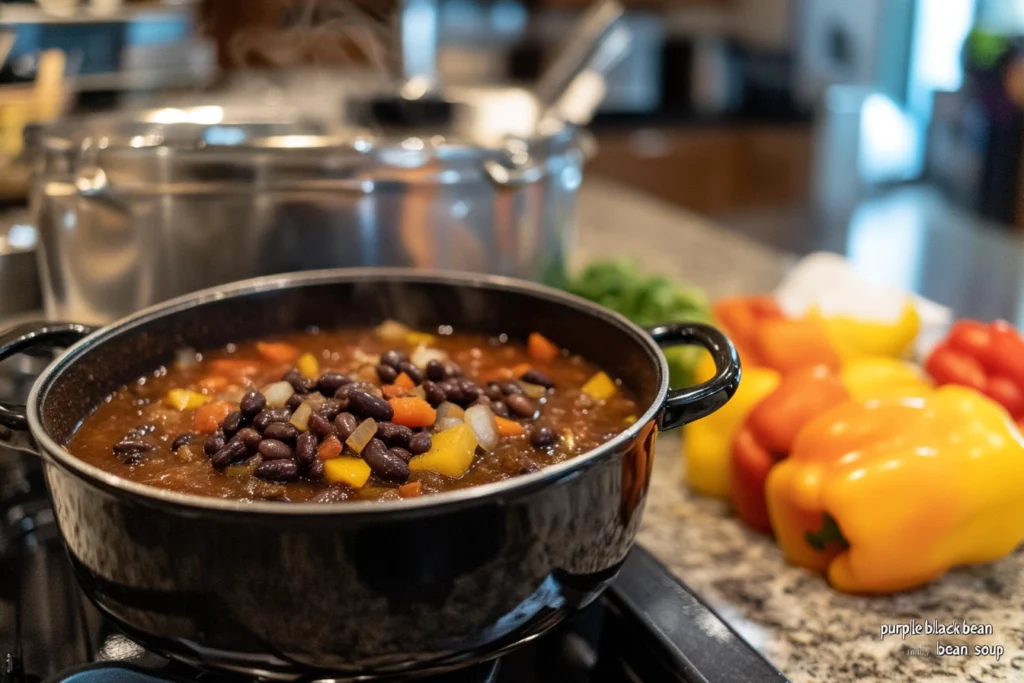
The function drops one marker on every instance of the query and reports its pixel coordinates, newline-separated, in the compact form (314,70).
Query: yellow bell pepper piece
(599,387)
(308,365)
(854,338)
(880,377)
(183,399)
(889,494)
(346,470)
(417,338)
(707,443)
(451,453)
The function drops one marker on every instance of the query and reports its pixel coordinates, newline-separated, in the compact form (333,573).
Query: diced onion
(568,440)
(315,401)
(533,390)
(300,419)
(447,423)
(481,420)
(186,358)
(367,373)
(448,409)
(424,354)
(358,439)
(418,391)
(392,330)
(277,394)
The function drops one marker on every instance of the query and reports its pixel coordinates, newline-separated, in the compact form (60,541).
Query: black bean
(272,449)
(493,391)
(393,358)
(132,445)
(232,423)
(298,382)
(282,431)
(250,437)
(537,377)
(419,443)
(330,382)
(529,468)
(499,408)
(387,373)
(405,455)
(344,392)
(278,470)
(415,374)
(519,405)
(452,391)
(310,383)
(331,408)
(270,415)
(435,370)
(511,388)
(252,403)
(392,434)
(305,450)
(228,454)
(181,440)
(434,393)
(214,443)
(384,463)
(345,423)
(320,426)
(316,471)
(452,370)
(294,401)
(368,405)
(471,391)
(542,437)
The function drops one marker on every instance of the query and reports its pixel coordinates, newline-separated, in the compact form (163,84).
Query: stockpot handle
(34,337)
(683,406)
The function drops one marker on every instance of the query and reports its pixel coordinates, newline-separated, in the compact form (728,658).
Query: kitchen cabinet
(710,169)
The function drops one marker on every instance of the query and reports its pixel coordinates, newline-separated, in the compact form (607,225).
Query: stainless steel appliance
(133,209)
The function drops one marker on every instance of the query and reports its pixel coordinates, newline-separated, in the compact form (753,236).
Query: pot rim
(56,454)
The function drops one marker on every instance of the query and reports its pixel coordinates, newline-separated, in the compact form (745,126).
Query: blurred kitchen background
(872,128)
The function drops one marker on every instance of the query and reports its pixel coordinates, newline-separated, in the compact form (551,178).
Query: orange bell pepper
(769,431)
(740,317)
(787,345)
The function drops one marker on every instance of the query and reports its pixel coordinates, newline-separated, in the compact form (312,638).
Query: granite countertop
(805,628)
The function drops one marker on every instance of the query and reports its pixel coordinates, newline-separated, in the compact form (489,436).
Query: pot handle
(686,405)
(34,337)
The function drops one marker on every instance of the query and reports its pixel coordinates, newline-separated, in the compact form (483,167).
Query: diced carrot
(520,370)
(412,411)
(392,391)
(403,380)
(214,382)
(542,349)
(278,352)
(209,416)
(508,427)
(411,489)
(234,367)
(330,448)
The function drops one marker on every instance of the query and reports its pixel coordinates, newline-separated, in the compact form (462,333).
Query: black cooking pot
(360,588)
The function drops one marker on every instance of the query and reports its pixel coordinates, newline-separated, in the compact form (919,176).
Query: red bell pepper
(741,316)
(986,357)
(767,435)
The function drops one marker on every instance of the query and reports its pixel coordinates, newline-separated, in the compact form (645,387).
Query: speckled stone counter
(806,629)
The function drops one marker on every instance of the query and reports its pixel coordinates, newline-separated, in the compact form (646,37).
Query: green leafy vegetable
(646,300)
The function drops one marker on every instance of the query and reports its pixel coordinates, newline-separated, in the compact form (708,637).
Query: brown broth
(565,409)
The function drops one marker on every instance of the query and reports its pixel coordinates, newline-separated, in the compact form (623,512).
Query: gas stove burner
(647,627)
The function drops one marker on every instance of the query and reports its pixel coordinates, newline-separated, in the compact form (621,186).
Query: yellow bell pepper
(707,443)
(183,399)
(855,338)
(600,387)
(879,377)
(451,453)
(347,470)
(889,494)
(308,365)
